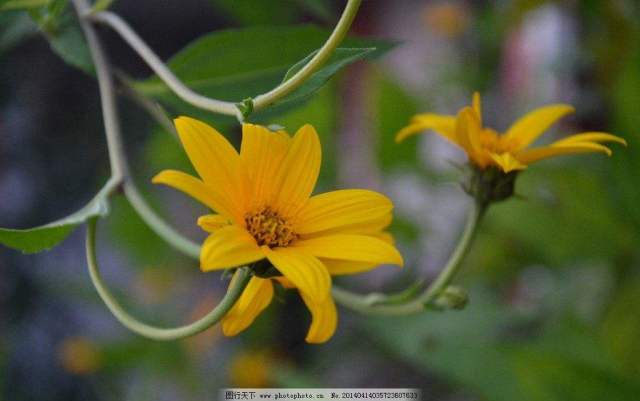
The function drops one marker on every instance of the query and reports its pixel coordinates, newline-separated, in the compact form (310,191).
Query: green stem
(369,305)
(119,168)
(321,57)
(150,106)
(157,224)
(153,332)
(120,177)
(218,106)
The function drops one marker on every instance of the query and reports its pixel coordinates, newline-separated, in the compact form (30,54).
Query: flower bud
(490,185)
(453,297)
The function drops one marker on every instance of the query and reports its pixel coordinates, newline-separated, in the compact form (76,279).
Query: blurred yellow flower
(509,151)
(79,355)
(449,19)
(252,369)
(265,213)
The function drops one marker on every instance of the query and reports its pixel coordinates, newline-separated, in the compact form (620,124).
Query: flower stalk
(425,300)
(153,332)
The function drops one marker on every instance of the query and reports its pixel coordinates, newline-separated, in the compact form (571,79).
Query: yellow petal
(215,160)
(507,162)
(352,247)
(338,267)
(324,320)
(255,298)
(529,156)
(262,152)
(385,236)
(305,271)
(533,124)
(342,209)
(440,124)
(230,246)
(285,282)
(213,222)
(298,172)
(198,190)
(468,132)
(372,228)
(476,104)
(590,137)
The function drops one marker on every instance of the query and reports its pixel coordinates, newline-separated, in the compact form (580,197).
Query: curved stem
(150,106)
(338,34)
(119,169)
(369,305)
(157,224)
(153,61)
(117,159)
(453,264)
(153,332)
(218,106)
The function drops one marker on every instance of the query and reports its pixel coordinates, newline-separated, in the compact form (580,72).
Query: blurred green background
(554,275)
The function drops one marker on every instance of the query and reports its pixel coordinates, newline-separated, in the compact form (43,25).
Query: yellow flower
(252,369)
(264,212)
(510,151)
(79,355)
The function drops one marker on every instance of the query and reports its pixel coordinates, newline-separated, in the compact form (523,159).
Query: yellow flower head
(264,212)
(509,151)
(79,356)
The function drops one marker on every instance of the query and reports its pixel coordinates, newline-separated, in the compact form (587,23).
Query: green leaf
(8,5)
(60,27)
(236,64)
(340,58)
(42,238)
(70,45)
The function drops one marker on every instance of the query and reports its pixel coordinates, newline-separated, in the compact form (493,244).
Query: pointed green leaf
(341,58)
(45,237)
(240,63)
(61,29)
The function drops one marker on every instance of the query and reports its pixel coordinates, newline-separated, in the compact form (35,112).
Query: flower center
(269,229)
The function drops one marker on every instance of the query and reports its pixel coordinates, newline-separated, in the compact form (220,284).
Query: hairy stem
(153,332)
